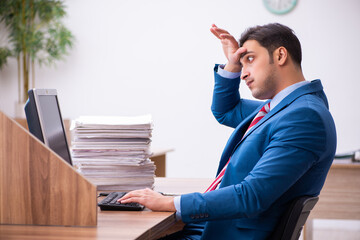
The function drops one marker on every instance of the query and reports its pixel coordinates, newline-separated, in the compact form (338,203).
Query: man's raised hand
(231,48)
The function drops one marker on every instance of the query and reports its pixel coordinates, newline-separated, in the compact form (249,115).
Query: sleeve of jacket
(227,106)
(294,147)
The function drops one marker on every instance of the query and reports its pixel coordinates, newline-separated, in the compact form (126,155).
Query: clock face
(280,6)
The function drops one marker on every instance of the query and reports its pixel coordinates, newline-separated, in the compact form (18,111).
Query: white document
(113,152)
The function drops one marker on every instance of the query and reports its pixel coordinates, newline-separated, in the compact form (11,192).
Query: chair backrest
(294,218)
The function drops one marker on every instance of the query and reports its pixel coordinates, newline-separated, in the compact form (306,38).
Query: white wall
(134,57)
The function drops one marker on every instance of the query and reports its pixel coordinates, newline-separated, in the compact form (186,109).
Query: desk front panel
(111,225)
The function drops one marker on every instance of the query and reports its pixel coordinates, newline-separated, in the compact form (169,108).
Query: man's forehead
(250,44)
(253,46)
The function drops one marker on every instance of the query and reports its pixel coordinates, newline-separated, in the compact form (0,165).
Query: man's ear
(281,56)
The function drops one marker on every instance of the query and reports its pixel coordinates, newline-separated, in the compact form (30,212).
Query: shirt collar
(284,93)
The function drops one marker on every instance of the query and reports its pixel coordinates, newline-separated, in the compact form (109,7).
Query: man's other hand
(150,199)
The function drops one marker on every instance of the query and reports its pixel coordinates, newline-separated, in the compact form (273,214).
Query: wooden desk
(114,224)
(111,225)
(340,196)
(339,199)
(17,165)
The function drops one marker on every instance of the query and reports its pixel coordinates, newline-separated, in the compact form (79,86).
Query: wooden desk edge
(155,231)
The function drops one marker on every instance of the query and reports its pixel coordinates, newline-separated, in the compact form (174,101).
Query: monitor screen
(45,122)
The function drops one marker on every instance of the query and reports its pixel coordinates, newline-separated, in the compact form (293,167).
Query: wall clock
(280,6)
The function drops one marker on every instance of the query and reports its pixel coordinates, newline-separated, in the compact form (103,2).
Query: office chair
(294,218)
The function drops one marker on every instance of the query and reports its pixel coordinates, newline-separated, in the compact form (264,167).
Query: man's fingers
(150,199)
(227,36)
(130,195)
(215,33)
(229,41)
(218,31)
(135,195)
(240,51)
(131,200)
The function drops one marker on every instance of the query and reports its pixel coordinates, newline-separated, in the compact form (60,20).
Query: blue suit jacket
(286,155)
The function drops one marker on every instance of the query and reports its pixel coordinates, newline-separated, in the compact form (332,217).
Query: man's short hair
(272,36)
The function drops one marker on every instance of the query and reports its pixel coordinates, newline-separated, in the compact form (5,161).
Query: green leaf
(4,54)
(35,29)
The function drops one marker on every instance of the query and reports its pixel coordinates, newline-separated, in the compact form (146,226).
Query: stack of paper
(113,152)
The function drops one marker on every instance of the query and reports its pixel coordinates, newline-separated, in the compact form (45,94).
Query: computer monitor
(44,120)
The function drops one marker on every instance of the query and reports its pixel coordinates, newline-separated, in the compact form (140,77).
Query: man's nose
(244,74)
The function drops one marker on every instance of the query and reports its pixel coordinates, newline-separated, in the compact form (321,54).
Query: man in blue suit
(284,154)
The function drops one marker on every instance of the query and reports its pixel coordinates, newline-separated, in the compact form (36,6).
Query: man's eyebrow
(245,53)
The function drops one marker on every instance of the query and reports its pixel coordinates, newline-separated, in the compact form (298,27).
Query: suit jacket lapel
(237,136)
(312,87)
(235,139)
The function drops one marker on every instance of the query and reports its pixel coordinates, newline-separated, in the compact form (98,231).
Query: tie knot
(265,108)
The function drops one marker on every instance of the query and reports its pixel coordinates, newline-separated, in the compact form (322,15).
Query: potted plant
(34,33)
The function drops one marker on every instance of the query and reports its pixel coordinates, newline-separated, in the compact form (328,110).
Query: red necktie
(263,111)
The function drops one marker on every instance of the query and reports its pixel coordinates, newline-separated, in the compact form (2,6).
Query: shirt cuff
(226,74)
(177,200)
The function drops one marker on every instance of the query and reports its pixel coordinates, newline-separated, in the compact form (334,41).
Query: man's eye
(250,58)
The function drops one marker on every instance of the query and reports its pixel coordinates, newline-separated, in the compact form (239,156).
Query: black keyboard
(110,203)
